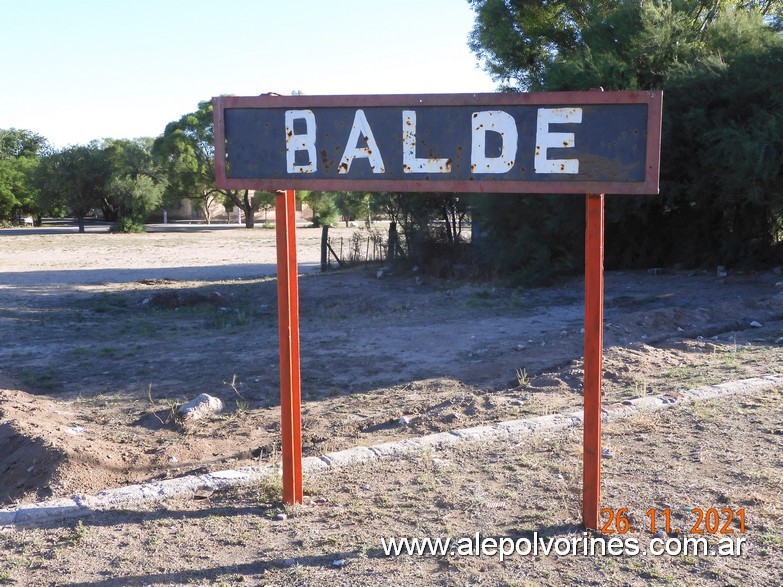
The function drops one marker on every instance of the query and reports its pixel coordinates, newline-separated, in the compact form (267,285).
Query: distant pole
(288,328)
(324,249)
(593,361)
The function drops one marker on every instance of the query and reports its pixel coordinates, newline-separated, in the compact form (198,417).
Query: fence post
(324,250)
(392,244)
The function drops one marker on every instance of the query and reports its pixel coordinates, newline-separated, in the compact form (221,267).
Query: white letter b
(300,142)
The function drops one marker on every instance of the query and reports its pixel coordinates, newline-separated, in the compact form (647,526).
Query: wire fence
(370,246)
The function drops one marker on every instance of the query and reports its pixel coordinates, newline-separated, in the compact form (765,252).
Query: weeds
(771,538)
(38,378)
(227,320)
(78,534)
(270,490)
(171,405)
(706,411)
(640,388)
(523,379)
(11,564)
(234,385)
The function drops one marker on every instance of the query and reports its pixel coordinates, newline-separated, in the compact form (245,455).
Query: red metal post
(594,339)
(288,317)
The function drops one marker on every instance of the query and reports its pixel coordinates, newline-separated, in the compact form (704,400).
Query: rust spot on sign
(325,160)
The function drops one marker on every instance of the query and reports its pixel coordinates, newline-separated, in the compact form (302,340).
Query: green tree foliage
(327,206)
(115,176)
(718,62)
(186,154)
(76,179)
(532,238)
(17,193)
(723,168)
(519,39)
(524,42)
(264,202)
(135,188)
(16,143)
(20,152)
(323,206)
(133,199)
(353,206)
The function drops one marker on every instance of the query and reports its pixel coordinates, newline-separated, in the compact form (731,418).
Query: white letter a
(353,151)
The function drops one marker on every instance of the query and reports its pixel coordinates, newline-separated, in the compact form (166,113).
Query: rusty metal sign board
(562,142)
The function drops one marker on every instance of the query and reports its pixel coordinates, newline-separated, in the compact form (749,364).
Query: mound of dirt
(62,448)
(39,438)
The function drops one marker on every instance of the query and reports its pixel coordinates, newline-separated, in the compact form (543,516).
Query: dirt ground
(105,335)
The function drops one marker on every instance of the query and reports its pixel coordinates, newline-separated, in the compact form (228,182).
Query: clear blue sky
(78,70)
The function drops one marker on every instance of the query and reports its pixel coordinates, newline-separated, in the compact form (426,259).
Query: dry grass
(498,489)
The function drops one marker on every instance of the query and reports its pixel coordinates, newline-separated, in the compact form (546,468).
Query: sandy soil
(105,335)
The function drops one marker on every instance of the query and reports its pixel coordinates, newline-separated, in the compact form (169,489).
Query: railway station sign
(591,143)
(561,142)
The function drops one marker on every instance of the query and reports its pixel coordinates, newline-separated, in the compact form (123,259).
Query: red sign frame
(649,185)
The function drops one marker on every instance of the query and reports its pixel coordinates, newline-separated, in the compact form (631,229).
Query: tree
(75,178)
(186,154)
(724,167)
(639,44)
(323,206)
(521,40)
(20,152)
(327,206)
(530,240)
(719,64)
(16,143)
(424,240)
(133,199)
(264,201)
(17,191)
(114,175)
(396,207)
(135,188)
(353,206)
